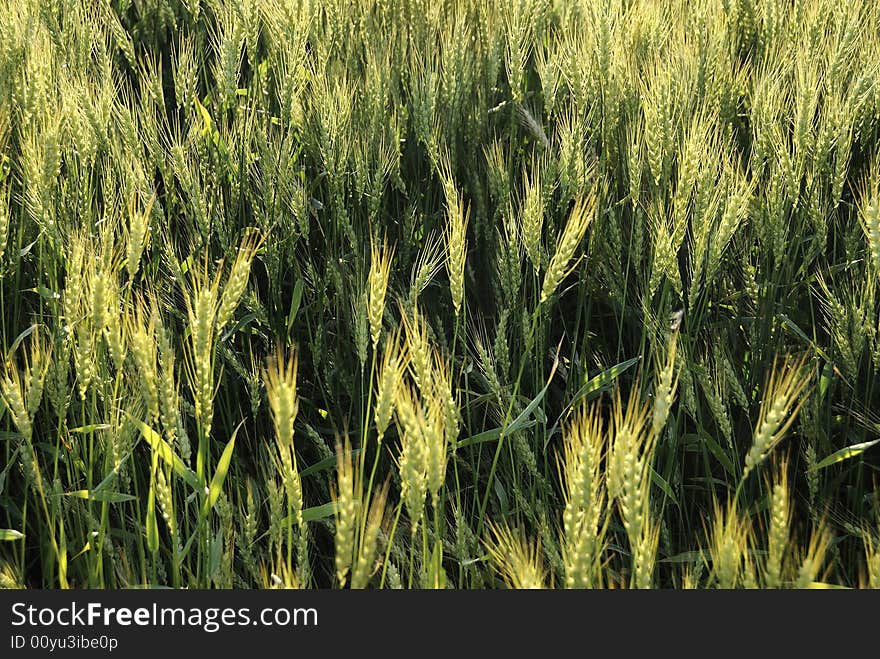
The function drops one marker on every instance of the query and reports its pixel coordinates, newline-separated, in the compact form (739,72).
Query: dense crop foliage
(460,293)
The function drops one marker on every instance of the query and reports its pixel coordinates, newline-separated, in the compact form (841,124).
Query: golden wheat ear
(779,532)
(781,402)
(869,215)
(389,379)
(345,510)
(567,243)
(380,269)
(728,544)
(456,250)
(518,560)
(584,518)
(366,564)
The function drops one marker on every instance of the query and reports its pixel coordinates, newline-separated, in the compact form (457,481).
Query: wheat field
(439,294)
